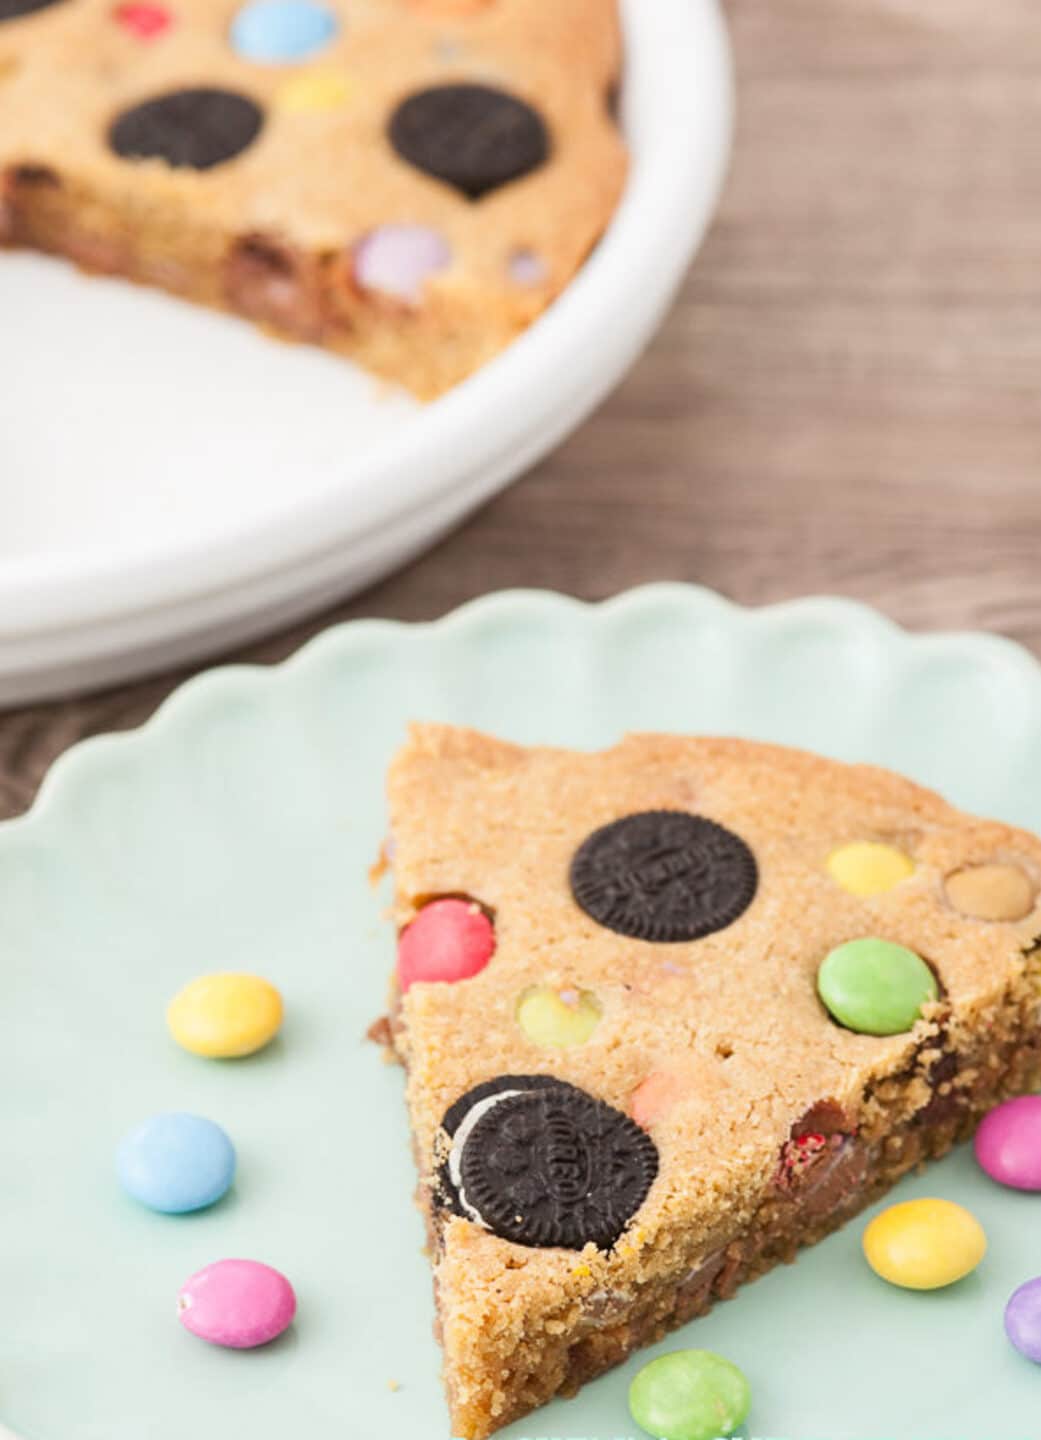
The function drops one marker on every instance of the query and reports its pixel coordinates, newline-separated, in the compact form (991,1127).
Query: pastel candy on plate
(1008,1143)
(449,940)
(239,1304)
(689,1395)
(397,260)
(176,1162)
(226,1015)
(924,1244)
(868,867)
(1023,1320)
(282,31)
(874,987)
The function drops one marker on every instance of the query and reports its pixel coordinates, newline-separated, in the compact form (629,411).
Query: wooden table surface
(846,398)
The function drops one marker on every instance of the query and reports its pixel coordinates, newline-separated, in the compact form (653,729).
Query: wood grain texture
(847,397)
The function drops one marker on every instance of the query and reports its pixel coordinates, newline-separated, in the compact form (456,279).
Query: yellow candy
(226,1015)
(924,1244)
(313,90)
(558,1019)
(868,868)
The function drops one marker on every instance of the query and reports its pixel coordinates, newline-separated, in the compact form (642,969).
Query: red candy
(448,940)
(142,19)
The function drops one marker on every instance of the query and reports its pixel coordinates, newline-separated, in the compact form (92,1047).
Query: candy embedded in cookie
(191,129)
(868,867)
(664,875)
(449,940)
(473,137)
(558,1019)
(541,1163)
(874,987)
(282,32)
(313,92)
(992,892)
(143,20)
(397,260)
(527,269)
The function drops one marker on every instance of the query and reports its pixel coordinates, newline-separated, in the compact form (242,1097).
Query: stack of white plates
(172,483)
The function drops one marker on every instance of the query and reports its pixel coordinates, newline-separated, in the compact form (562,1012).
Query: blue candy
(274,31)
(176,1162)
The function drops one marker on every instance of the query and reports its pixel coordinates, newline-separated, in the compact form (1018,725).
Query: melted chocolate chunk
(470,136)
(192,129)
(664,875)
(555,1167)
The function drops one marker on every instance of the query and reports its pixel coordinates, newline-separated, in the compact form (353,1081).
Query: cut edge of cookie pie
(407,182)
(671,1011)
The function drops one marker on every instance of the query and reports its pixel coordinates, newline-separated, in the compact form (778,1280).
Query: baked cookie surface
(409,182)
(636,1083)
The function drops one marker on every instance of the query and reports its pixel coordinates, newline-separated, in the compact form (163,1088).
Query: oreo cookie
(447,1188)
(15,9)
(664,875)
(189,129)
(471,136)
(549,1166)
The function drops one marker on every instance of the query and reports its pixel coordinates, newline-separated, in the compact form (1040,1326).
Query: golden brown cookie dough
(772,1124)
(273,231)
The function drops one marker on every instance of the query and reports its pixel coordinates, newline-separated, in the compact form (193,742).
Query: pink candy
(396,260)
(448,940)
(237,1303)
(1008,1143)
(143,19)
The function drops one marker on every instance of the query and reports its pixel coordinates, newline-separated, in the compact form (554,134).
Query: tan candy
(991,892)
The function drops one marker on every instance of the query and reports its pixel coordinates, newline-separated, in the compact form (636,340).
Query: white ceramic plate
(156,504)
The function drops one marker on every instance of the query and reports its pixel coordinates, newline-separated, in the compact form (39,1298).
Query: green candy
(874,987)
(689,1395)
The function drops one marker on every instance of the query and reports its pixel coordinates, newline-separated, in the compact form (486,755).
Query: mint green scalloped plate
(234,831)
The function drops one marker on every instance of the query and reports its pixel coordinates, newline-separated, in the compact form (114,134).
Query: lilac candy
(396,260)
(527,268)
(237,1303)
(1023,1320)
(1008,1143)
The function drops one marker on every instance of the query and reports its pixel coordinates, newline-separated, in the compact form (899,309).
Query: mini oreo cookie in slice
(555,1168)
(469,1108)
(15,9)
(189,129)
(471,136)
(664,875)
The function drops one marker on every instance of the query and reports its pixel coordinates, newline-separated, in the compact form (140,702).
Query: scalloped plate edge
(700,606)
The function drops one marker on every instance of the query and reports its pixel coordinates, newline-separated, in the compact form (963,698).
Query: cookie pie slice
(670,1012)
(408,182)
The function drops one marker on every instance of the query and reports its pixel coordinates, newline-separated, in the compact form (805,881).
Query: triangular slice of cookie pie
(671,1011)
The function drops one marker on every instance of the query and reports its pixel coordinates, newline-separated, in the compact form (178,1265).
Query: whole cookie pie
(408,182)
(670,1012)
